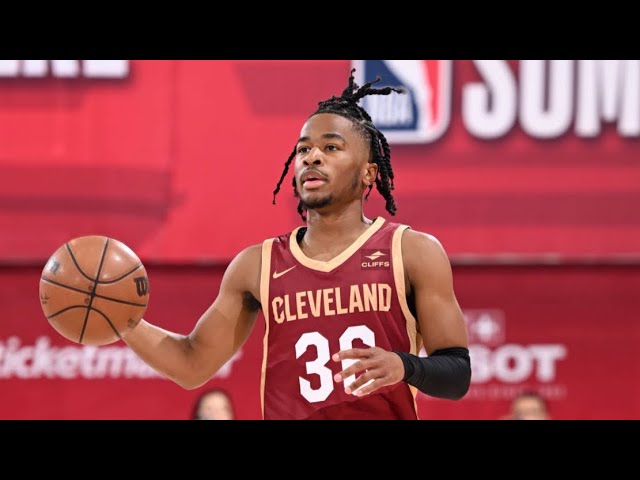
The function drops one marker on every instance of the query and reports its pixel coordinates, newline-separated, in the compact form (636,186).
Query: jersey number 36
(319,365)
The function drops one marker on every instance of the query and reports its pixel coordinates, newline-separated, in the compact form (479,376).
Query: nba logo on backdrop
(422,114)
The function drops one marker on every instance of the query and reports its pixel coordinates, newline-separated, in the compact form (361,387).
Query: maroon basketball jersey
(314,309)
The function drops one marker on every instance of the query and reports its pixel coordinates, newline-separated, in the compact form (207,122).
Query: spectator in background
(528,405)
(214,404)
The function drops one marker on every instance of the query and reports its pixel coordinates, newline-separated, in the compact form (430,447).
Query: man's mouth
(312,183)
(312,179)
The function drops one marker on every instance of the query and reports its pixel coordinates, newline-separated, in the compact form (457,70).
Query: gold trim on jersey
(265,272)
(412,325)
(340,259)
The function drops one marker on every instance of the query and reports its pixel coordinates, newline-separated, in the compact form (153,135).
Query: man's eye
(303,149)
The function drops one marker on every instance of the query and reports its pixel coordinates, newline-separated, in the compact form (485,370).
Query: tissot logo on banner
(501,367)
(421,115)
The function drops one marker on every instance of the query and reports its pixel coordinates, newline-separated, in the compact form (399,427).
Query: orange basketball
(92,289)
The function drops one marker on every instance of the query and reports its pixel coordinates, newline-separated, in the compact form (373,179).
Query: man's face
(529,408)
(215,406)
(332,162)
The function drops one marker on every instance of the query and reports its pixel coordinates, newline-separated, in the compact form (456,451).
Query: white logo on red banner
(502,368)
(545,98)
(64,68)
(44,360)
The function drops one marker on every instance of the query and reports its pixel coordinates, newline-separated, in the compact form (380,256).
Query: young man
(347,300)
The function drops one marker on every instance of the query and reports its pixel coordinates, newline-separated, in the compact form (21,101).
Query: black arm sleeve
(445,373)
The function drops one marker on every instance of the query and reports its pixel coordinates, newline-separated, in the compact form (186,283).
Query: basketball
(92,289)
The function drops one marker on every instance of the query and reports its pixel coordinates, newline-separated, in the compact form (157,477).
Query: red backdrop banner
(178,159)
(566,332)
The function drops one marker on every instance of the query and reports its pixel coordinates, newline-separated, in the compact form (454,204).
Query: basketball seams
(103,297)
(67,317)
(120,301)
(96,280)
(95,287)
(107,282)
(107,319)
(64,286)
(75,262)
(64,310)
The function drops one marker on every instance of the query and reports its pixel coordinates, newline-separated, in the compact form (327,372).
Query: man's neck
(334,229)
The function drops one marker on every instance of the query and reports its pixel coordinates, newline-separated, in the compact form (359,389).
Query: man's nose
(315,157)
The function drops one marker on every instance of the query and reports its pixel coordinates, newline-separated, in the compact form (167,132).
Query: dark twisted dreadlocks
(347,106)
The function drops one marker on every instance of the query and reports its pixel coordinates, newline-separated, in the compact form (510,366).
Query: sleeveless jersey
(314,309)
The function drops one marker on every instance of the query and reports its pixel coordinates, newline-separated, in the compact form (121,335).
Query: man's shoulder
(423,254)
(249,255)
(414,240)
(425,260)
(254,252)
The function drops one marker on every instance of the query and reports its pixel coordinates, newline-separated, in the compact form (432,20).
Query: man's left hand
(380,368)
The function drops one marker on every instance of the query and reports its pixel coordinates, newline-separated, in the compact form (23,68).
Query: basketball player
(348,300)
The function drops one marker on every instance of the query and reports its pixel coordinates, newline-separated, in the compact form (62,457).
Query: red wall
(179,160)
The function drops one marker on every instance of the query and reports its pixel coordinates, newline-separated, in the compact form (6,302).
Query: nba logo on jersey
(422,114)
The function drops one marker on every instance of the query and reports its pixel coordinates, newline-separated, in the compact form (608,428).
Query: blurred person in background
(214,404)
(528,405)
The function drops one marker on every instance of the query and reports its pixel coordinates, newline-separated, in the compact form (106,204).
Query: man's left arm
(446,372)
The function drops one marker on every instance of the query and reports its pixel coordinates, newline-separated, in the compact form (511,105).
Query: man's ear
(370,174)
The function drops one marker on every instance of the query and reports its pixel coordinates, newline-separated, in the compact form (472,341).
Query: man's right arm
(191,360)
